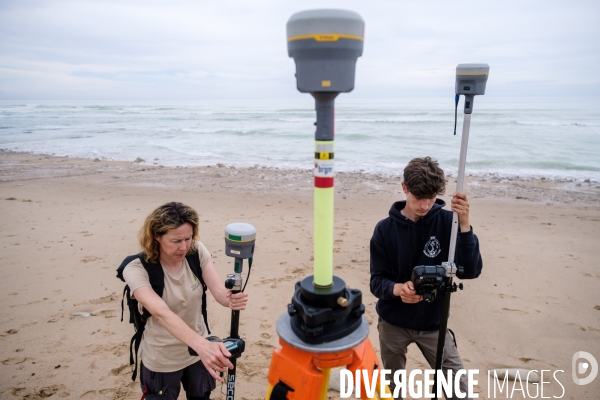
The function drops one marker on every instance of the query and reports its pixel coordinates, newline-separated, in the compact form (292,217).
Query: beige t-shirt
(160,351)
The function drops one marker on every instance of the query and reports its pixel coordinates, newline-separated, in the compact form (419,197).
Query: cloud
(237,49)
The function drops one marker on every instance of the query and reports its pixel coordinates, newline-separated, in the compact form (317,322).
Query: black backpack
(157,281)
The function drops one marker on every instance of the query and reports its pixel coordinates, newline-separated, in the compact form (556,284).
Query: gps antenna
(470,81)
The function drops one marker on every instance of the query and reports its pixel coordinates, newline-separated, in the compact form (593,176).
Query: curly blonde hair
(162,220)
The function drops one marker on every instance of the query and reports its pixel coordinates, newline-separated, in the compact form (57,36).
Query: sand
(66,224)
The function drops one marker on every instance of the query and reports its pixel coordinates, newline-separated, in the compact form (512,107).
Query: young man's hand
(460,205)
(406,291)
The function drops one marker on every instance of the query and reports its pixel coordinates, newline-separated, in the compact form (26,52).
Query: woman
(169,234)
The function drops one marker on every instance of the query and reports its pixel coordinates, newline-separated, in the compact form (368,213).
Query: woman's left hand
(237,301)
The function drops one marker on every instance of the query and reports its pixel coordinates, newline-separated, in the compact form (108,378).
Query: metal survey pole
(464,143)
(471,80)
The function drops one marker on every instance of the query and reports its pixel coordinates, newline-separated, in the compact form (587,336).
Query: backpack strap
(126,261)
(139,324)
(157,281)
(194,263)
(156,275)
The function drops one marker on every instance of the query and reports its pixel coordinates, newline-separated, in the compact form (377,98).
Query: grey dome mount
(325,45)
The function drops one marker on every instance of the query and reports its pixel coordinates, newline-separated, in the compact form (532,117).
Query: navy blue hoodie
(399,244)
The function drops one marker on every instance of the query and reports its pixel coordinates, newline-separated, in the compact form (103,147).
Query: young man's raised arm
(468,255)
(467,245)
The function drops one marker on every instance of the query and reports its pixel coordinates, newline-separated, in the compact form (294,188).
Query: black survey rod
(234,334)
(324,106)
(442,335)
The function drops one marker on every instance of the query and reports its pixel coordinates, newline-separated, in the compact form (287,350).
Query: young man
(417,232)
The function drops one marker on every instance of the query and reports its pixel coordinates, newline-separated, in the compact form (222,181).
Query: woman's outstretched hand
(214,356)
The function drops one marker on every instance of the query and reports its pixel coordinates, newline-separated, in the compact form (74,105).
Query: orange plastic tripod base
(307,374)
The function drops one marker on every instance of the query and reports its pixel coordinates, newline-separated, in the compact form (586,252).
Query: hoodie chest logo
(432,248)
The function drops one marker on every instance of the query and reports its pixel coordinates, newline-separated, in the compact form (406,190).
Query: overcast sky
(195,49)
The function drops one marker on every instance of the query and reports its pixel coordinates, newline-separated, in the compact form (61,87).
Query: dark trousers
(394,342)
(196,381)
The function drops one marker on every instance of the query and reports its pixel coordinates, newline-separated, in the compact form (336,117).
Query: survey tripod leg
(299,374)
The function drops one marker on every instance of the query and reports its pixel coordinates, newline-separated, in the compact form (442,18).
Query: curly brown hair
(162,220)
(424,178)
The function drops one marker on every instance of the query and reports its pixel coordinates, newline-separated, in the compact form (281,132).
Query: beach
(67,223)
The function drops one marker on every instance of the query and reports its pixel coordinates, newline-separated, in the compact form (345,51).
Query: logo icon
(580,367)
(432,248)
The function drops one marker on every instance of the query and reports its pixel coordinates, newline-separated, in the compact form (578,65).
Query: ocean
(551,137)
